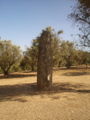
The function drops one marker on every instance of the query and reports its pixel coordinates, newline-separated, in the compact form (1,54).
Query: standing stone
(45,59)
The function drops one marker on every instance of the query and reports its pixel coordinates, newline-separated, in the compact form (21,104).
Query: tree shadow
(68,87)
(76,73)
(14,92)
(18,75)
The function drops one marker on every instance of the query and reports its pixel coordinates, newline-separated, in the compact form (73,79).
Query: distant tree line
(64,54)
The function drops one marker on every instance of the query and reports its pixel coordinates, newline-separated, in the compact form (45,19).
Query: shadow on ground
(12,92)
(18,75)
(76,73)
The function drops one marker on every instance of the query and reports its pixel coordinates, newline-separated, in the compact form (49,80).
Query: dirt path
(69,98)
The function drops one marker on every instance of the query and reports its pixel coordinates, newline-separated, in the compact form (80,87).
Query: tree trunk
(6,73)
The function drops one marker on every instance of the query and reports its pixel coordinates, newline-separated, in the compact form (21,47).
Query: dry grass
(69,98)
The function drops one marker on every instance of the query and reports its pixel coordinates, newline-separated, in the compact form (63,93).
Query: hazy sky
(22,20)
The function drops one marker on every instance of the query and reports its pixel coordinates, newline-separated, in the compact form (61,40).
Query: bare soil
(69,98)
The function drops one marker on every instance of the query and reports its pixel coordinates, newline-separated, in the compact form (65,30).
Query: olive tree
(67,54)
(9,55)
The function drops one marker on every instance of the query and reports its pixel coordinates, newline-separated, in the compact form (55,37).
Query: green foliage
(64,53)
(29,61)
(83,57)
(67,54)
(9,55)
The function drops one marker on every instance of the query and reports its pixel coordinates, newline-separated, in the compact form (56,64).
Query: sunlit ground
(69,98)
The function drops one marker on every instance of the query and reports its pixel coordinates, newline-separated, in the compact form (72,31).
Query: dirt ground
(69,98)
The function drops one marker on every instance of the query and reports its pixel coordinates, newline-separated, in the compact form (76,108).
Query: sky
(23,20)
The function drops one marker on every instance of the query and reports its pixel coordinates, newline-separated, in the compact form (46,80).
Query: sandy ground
(69,98)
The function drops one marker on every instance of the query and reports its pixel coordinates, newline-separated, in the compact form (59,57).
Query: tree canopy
(9,55)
